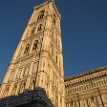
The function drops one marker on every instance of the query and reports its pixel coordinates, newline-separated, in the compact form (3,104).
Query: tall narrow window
(40,27)
(54,21)
(27,49)
(35,45)
(41,15)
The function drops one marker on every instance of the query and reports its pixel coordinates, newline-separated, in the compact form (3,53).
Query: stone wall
(87,89)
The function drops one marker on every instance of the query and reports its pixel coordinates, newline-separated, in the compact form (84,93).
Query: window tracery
(41,15)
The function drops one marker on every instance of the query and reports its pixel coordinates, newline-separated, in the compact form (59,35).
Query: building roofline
(45,3)
(85,73)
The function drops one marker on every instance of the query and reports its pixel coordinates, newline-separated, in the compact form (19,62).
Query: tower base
(36,98)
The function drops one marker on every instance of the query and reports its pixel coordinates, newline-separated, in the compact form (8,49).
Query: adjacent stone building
(38,62)
(87,89)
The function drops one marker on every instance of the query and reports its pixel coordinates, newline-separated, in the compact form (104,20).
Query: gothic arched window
(40,27)
(27,49)
(35,45)
(41,15)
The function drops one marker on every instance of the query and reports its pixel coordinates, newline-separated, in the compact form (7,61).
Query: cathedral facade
(87,89)
(38,62)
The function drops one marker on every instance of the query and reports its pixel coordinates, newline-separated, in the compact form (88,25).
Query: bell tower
(38,60)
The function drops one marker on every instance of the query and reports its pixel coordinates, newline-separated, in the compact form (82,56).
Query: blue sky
(84,32)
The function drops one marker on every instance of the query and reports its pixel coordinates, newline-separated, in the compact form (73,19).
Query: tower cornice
(45,3)
(86,73)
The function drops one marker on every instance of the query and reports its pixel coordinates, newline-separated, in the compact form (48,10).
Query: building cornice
(44,4)
(86,73)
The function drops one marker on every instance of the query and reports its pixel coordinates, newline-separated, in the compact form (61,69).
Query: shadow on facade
(35,98)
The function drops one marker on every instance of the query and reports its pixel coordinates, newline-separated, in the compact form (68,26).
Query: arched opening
(40,27)
(35,45)
(26,51)
(41,15)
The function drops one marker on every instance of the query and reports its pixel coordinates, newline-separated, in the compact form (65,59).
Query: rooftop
(86,73)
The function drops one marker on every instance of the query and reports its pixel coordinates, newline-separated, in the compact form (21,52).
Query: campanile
(38,59)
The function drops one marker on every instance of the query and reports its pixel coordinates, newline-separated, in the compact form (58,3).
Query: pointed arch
(40,27)
(35,45)
(41,14)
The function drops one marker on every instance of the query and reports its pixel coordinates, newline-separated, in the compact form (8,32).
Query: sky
(84,32)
